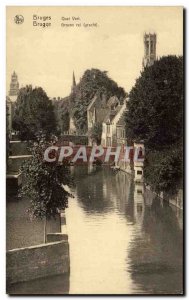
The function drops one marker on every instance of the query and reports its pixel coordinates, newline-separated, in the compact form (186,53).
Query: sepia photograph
(94,150)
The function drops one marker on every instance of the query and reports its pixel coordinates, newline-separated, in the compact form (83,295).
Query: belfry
(149,49)
(14,85)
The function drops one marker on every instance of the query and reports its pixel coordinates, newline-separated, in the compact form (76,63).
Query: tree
(34,112)
(61,108)
(7,135)
(93,81)
(96,133)
(163,170)
(155,115)
(44,183)
(155,106)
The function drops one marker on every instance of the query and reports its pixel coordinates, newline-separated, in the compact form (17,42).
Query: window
(118,133)
(108,141)
(147,48)
(139,172)
(108,128)
(151,47)
(139,208)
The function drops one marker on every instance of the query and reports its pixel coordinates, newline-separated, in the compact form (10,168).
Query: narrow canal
(123,240)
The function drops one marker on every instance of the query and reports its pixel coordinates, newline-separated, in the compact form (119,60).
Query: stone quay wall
(43,260)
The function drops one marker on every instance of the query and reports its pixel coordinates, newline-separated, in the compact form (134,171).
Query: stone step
(13,181)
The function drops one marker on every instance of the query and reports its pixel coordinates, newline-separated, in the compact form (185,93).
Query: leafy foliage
(61,108)
(155,106)
(163,170)
(44,182)
(155,115)
(33,113)
(93,81)
(7,135)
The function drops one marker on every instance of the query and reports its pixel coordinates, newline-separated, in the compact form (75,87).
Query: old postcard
(94,135)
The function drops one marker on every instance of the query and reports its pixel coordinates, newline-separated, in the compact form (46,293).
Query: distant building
(120,130)
(99,108)
(149,49)
(72,127)
(113,127)
(9,111)
(11,98)
(138,164)
(14,87)
(73,83)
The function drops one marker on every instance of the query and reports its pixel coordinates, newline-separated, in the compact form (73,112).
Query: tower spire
(149,49)
(73,82)
(14,85)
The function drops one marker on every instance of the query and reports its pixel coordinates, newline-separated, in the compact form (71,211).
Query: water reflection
(139,207)
(43,286)
(122,240)
(93,190)
(155,251)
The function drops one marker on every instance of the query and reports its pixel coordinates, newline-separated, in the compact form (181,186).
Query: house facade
(98,109)
(72,127)
(113,127)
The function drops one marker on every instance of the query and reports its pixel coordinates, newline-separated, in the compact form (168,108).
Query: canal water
(123,240)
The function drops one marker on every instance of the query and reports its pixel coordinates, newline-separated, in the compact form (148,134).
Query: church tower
(73,83)
(14,85)
(149,50)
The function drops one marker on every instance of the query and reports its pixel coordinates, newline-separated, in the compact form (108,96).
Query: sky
(47,56)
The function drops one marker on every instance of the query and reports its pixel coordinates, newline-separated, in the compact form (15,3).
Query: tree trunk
(45,229)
